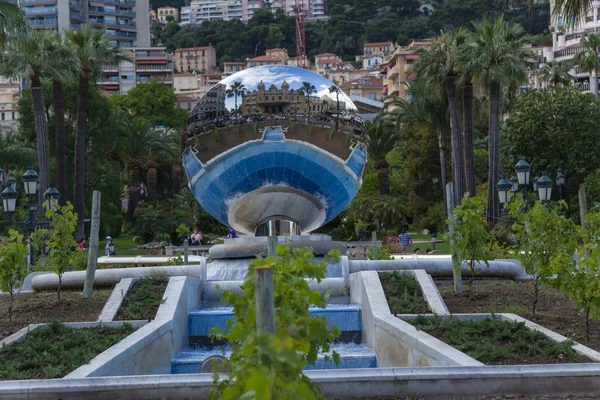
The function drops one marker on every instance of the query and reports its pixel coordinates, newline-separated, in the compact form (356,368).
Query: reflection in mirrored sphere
(274,147)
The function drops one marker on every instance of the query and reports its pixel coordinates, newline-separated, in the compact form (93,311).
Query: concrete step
(347,317)
(351,356)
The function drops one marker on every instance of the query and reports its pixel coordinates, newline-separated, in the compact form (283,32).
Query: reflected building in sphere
(274,149)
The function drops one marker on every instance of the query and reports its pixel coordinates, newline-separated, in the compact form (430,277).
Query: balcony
(111,24)
(77,17)
(37,2)
(104,11)
(108,80)
(569,52)
(120,2)
(110,67)
(146,79)
(76,5)
(122,35)
(40,11)
(41,23)
(154,68)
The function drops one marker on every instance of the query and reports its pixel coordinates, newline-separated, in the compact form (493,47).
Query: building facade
(368,87)
(200,59)
(127,22)
(232,67)
(147,63)
(164,13)
(209,10)
(10,90)
(263,60)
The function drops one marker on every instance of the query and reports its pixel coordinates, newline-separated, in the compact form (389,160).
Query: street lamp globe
(30,181)
(560,177)
(504,186)
(522,169)
(52,195)
(9,199)
(11,181)
(535,181)
(544,187)
(515,182)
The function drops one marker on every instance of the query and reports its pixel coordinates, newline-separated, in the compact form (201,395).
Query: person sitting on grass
(417,251)
(196,237)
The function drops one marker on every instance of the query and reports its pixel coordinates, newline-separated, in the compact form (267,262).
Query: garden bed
(403,293)
(554,310)
(494,341)
(42,307)
(143,299)
(56,350)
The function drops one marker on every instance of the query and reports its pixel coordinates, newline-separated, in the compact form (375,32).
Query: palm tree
(428,107)
(336,90)
(177,146)
(27,57)
(12,20)
(308,89)
(556,73)
(139,141)
(444,56)
(380,139)
(92,49)
(497,58)
(588,60)
(63,66)
(237,89)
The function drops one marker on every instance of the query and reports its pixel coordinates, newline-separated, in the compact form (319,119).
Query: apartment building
(10,90)
(280,53)
(147,63)
(200,59)
(381,48)
(164,13)
(324,62)
(231,67)
(395,71)
(127,22)
(209,10)
(263,60)
(368,87)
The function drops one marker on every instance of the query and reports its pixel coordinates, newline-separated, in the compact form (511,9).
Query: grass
(143,299)
(124,246)
(495,341)
(56,350)
(403,293)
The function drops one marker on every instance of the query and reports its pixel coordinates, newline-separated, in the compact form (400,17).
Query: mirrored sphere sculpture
(274,146)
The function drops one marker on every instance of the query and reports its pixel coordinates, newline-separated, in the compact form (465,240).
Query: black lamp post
(515,183)
(523,169)
(11,181)
(544,187)
(433,239)
(560,182)
(504,188)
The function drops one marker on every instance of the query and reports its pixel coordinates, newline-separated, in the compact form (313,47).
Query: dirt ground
(554,310)
(42,307)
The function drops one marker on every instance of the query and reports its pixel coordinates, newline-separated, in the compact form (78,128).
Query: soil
(42,307)
(554,310)
(143,300)
(399,299)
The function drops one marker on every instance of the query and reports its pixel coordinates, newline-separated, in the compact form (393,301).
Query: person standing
(405,240)
(109,249)
(232,234)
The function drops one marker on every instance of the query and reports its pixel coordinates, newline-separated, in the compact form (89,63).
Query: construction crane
(300,37)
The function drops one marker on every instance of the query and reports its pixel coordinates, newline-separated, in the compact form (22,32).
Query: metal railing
(43,22)
(120,13)
(37,11)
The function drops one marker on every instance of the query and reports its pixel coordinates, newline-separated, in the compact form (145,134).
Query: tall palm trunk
(493,204)
(458,175)
(442,147)
(89,176)
(41,131)
(79,170)
(469,152)
(134,179)
(594,83)
(383,178)
(337,110)
(176,178)
(152,184)
(58,99)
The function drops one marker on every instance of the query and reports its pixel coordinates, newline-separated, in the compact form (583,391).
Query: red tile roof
(184,98)
(234,63)
(194,48)
(329,60)
(325,54)
(265,58)
(370,82)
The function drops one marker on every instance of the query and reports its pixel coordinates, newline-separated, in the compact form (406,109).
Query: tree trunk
(587,324)
(133,194)
(41,131)
(58,99)
(536,291)
(79,168)
(493,204)
(337,116)
(458,175)
(442,146)
(152,185)
(176,178)
(384,180)
(469,152)
(89,179)
(594,83)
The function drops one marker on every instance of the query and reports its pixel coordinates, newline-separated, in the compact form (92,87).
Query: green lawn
(441,248)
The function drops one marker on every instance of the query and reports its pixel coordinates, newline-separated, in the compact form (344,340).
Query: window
(372,96)
(560,21)
(369,62)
